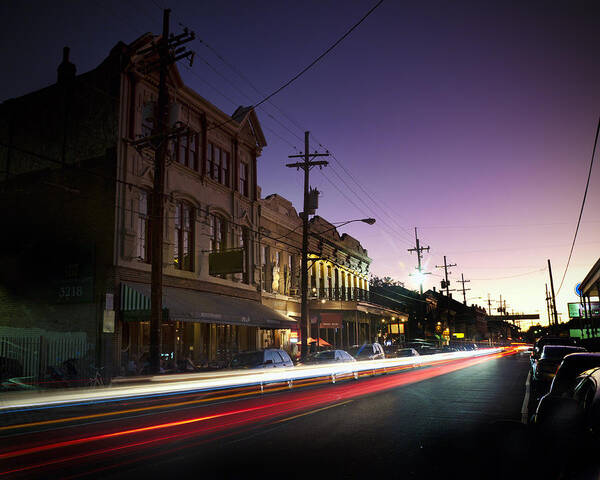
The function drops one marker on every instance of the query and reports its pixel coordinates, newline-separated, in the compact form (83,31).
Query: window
(148,118)
(217,164)
(193,152)
(183,255)
(224,168)
(209,160)
(243,187)
(218,233)
(244,244)
(263,266)
(182,154)
(143,231)
(288,273)
(216,171)
(186,150)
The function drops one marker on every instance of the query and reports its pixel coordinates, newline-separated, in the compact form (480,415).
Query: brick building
(77,192)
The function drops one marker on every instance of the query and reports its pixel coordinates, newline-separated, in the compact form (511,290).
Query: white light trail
(199,382)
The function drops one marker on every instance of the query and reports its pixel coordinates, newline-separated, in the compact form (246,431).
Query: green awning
(194,306)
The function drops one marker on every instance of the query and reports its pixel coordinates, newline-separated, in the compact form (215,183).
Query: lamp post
(305,319)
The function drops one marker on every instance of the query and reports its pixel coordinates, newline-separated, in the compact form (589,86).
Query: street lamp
(368,221)
(304,321)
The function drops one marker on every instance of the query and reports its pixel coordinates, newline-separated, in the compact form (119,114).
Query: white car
(268,358)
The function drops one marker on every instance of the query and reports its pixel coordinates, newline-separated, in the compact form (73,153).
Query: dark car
(566,378)
(329,356)
(269,358)
(367,351)
(577,411)
(542,342)
(545,367)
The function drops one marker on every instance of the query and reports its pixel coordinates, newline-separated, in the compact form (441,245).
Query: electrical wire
(587,184)
(311,64)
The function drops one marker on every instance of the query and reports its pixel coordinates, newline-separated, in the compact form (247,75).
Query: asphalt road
(440,427)
(436,422)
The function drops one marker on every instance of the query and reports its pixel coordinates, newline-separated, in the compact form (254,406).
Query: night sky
(473,121)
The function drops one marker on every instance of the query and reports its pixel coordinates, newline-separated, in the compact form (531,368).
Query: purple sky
(473,121)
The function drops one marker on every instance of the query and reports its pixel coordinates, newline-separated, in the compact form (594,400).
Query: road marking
(525,406)
(314,411)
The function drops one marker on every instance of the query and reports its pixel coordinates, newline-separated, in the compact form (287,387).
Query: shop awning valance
(193,306)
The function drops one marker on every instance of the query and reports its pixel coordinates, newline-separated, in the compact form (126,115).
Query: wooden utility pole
(169,49)
(419,251)
(446,284)
(548,306)
(553,296)
(489,305)
(156,205)
(306,165)
(464,290)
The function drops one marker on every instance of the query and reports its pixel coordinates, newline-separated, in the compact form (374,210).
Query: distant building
(341,309)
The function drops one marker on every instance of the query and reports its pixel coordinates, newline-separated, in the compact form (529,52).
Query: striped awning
(133,300)
(185,305)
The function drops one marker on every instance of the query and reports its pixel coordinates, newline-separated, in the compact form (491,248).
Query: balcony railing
(341,293)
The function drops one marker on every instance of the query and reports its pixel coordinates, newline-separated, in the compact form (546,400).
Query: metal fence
(36,353)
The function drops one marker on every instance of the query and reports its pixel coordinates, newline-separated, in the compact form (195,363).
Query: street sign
(578,289)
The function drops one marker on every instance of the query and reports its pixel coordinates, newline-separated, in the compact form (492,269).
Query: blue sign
(578,289)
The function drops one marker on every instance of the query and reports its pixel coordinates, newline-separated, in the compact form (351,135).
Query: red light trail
(246,411)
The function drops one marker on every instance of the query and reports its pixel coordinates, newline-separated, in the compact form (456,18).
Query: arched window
(183,253)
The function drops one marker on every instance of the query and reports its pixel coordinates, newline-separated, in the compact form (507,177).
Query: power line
(587,184)
(510,276)
(311,64)
(297,125)
(378,205)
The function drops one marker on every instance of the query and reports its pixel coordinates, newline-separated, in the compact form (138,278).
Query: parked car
(329,356)
(545,367)
(576,411)
(269,358)
(367,351)
(567,376)
(542,342)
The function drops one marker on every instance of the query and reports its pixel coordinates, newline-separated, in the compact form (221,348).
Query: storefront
(204,328)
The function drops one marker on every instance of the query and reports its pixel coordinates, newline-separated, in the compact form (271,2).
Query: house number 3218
(74,291)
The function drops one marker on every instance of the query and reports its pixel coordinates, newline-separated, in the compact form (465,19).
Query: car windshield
(558,352)
(247,359)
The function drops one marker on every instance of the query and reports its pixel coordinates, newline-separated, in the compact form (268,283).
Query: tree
(384,282)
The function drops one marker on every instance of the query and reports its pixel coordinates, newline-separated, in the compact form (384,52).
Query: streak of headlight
(300,402)
(196,383)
